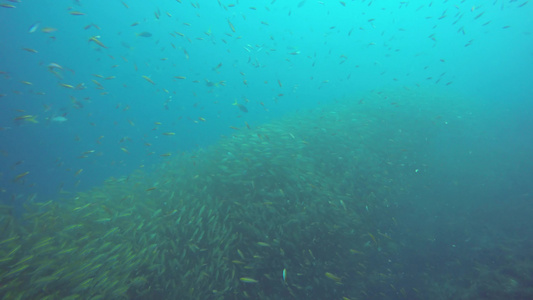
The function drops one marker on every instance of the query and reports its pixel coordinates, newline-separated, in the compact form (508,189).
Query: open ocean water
(180,149)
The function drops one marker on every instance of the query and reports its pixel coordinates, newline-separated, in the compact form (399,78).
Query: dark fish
(243,108)
(144,34)
(240,106)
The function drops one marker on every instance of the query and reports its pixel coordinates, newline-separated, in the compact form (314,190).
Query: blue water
(97,116)
(342,50)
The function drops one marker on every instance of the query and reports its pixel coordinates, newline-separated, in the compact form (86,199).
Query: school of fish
(282,210)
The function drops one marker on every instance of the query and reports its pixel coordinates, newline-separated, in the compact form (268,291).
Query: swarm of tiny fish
(291,209)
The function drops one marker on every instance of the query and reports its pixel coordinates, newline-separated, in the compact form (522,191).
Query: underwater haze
(180,149)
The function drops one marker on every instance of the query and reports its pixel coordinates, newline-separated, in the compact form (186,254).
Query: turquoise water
(370,149)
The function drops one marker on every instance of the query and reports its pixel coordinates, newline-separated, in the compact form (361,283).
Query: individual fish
(34,27)
(19,176)
(28,118)
(96,40)
(9,239)
(333,277)
(69,250)
(17,248)
(231,26)
(52,66)
(82,207)
(217,68)
(373,238)
(59,119)
(110,232)
(30,50)
(214,84)
(71,227)
(17,270)
(240,106)
(91,25)
(68,86)
(353,251)
(148,79)
(48,29)
(144,34)
(248,280)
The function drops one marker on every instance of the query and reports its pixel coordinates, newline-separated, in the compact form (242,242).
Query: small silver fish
(34,27)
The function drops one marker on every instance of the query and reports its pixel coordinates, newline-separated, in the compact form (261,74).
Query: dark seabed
(267,150)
